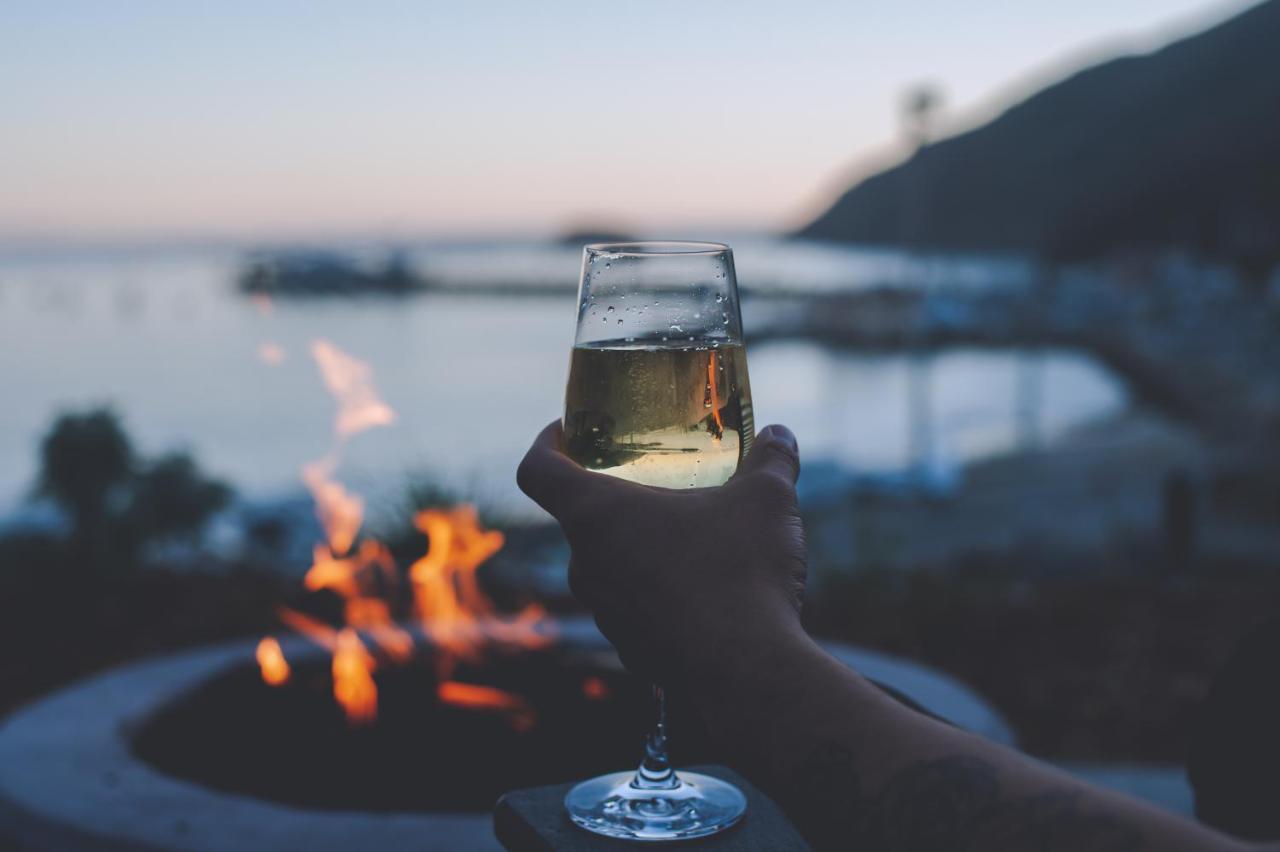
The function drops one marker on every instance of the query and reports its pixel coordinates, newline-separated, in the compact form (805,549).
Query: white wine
(675,416)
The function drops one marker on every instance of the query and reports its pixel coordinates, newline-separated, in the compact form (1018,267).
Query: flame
(518,710)
(351,382)
(446,596)
(353,684)
(360,579)
(595,688)
(448,600)
(275,669)
(270,353)
(313,628)
(714,395)
(340,512)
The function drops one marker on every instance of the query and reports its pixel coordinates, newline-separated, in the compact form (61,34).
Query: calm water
(165,339)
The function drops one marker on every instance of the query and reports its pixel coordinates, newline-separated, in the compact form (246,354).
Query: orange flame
(447,598)
(340,512)
(353,684)
(519,712)
(312,628)
(351,382)
(275,669)
(714,394)
(453,609)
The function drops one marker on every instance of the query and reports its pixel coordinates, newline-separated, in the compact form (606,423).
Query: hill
(1179,147)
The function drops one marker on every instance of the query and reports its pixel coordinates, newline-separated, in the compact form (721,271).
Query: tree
(117,502)
(86,462)
(171,497)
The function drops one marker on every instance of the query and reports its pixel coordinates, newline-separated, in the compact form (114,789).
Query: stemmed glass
(658,394)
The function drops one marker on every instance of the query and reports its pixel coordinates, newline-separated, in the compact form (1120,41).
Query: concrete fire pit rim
(68,775)
(68,772)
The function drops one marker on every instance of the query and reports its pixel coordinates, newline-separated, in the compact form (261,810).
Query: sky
(175,120)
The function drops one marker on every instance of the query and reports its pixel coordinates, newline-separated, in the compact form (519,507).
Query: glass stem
(655,772)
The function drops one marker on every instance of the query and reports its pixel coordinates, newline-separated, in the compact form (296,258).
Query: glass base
(695,806)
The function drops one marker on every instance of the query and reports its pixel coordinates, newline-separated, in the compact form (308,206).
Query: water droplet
(676,328)
(619,320)
(719,298)
(609,309)
(697,316)
(604,319)
(607,264)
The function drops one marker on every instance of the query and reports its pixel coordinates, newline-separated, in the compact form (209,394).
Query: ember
(446,598)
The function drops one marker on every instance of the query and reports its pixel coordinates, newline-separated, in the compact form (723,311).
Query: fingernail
(783,434)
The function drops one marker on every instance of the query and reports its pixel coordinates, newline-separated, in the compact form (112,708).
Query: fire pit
(194,751)
(518,721)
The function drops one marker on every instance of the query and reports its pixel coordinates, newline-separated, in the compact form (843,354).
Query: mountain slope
(1177,147)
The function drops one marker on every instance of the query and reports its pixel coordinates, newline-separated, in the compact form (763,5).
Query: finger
(549,477)
(775,453)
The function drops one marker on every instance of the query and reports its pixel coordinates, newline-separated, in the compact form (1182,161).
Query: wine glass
(658,394)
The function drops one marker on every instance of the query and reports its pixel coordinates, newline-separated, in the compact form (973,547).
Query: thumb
(776,454)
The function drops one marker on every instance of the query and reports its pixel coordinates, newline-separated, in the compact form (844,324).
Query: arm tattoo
(953,804)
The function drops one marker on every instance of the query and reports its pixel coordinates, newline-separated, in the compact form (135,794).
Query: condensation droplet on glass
(719,297)
(609,309)
(619,320)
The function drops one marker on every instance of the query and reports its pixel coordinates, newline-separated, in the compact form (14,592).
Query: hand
(680,581)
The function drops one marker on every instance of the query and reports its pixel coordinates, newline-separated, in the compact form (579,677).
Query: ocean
(164,337)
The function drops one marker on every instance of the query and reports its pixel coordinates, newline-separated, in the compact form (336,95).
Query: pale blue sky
(129,120)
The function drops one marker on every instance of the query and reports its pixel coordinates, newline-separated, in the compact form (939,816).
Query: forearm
(858,770)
